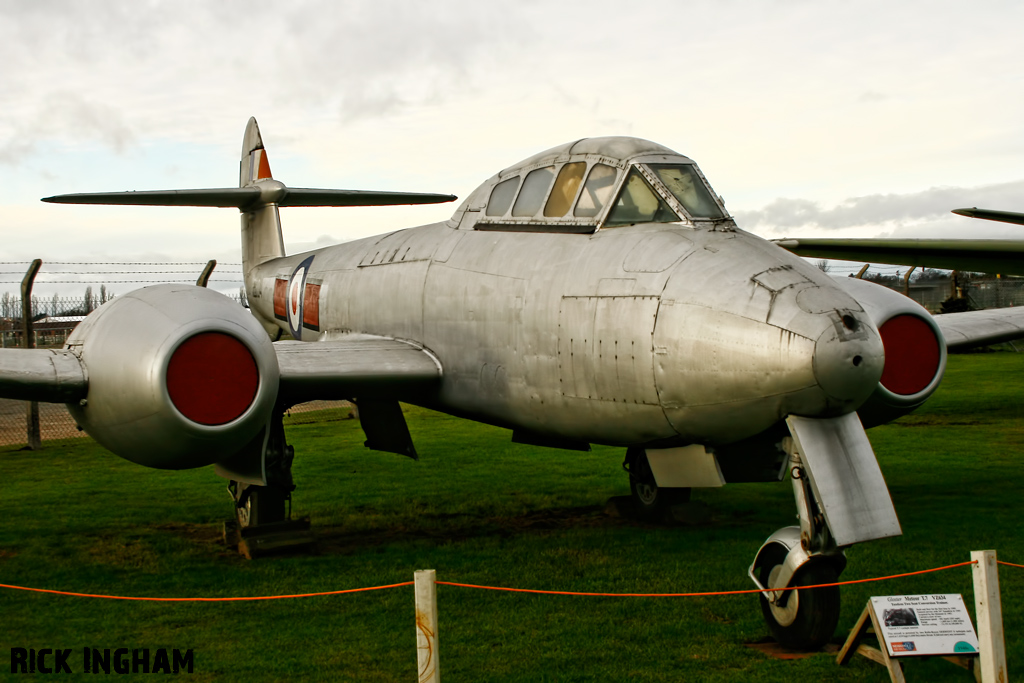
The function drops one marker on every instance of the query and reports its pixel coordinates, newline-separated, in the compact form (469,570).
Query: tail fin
(254,164)
(262,239)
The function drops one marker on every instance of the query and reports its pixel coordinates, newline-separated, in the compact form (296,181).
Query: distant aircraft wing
(362,366)
(988,256)
(981,328)
(990,215)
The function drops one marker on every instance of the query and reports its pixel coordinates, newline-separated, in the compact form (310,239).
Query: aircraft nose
(848,361)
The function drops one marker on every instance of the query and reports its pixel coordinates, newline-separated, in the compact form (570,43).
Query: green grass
(482,510)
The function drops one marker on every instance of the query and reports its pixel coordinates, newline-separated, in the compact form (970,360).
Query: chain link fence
(55,422)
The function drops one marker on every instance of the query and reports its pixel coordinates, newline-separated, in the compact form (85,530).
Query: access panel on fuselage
(605,348)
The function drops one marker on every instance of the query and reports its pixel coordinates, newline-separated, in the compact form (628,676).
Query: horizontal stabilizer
(250,195)
(47,375)
(359,367)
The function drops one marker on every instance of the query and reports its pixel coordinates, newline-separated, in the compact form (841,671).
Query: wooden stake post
(988,614)
(426,627)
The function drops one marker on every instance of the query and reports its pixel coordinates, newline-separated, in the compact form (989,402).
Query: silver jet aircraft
(597,292)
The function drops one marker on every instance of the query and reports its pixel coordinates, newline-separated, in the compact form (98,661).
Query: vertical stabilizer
(261,223)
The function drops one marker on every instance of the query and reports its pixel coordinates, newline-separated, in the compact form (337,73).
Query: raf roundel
(212,378)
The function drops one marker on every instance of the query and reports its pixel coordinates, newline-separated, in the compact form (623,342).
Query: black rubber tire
(817,609)
(651,502)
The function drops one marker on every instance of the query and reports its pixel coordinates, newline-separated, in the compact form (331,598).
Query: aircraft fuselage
(645,334)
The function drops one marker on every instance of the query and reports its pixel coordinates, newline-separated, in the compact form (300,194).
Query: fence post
(906,281)
(988,611)
(204,277)
(32,416)
(426,627)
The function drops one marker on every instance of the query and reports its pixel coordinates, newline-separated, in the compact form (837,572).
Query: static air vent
(212,378)
(912,355)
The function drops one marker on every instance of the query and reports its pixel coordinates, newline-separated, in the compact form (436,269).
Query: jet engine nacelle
(915,351)
(178,376)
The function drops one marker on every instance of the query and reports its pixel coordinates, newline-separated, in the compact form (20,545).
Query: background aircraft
(987,256)
(597,292)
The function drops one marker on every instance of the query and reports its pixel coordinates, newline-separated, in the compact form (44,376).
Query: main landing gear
(796,556)
(650,501)
(263,521)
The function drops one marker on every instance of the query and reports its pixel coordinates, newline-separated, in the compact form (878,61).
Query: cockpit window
(535,189)
(682,181)
(501,197)
(596,191)
(638,203)
(568,181)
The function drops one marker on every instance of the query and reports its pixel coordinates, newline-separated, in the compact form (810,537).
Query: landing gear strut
(651,502)
(263,521)
(802,618)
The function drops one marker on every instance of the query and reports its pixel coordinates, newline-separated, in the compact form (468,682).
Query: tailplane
(258,196)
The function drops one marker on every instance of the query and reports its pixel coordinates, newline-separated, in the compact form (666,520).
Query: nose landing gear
(795,556)
(802,618)
(841,499)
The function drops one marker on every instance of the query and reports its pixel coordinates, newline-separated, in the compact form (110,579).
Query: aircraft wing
(46,375)
(361,366)
(981,328)
(988,256)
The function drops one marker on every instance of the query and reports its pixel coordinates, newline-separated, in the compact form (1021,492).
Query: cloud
(71,116)
(881,209)
(311,58)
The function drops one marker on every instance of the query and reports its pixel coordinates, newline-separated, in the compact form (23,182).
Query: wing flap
(47,375)
(356,367)
(980,328)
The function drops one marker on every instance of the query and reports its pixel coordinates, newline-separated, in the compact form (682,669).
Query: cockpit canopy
(591,184)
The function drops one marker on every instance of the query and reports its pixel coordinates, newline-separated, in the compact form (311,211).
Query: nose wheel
(804,618)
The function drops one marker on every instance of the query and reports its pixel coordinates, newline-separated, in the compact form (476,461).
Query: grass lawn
(481,510)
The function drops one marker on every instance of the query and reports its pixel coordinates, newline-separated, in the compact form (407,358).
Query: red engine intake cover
(212,378)
(912,354)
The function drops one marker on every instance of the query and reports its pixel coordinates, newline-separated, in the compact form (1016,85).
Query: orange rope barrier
(694,595)
(1010,564)
(492,588)
(262,597)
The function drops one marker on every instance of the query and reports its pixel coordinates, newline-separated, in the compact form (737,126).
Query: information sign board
(925,625)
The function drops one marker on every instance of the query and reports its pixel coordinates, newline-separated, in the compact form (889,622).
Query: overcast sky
(810,118)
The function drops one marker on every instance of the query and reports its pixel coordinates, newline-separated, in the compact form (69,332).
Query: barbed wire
(111,282)
(116,263)
(118,272)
